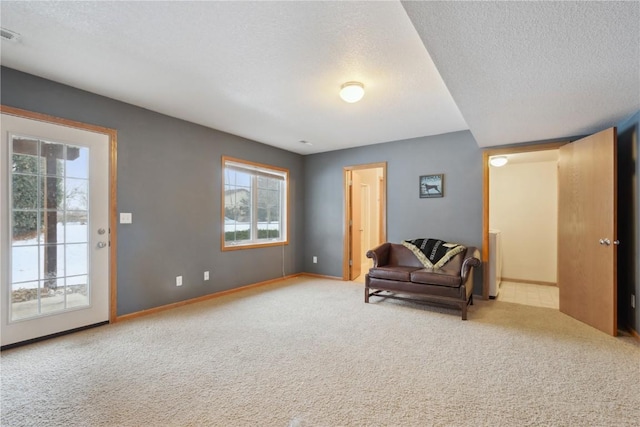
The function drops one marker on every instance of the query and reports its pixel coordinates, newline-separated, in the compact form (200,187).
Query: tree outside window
(255,200)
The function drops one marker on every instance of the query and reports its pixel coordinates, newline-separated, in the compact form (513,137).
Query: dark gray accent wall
(169,173)
(169,178)
(457,217)
(629,222)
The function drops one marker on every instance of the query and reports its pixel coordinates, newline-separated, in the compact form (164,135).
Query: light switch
(125,218)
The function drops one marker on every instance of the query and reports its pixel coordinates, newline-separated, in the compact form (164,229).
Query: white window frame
(255,170)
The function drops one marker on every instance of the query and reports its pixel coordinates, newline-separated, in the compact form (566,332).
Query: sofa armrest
(380,254)
(471,259)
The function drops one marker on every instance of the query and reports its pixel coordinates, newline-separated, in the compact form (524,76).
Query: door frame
(112,134)
(382,223)
(486,154)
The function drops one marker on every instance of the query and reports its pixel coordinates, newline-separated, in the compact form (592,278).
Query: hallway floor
(364,269)
(529,294)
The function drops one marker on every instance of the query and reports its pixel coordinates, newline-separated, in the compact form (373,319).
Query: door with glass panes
(54,227)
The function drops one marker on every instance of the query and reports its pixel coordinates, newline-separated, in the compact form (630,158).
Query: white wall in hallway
(523,205)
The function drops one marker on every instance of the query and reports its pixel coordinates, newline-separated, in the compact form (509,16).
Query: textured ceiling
(532,71)
(271,71)
(268,71)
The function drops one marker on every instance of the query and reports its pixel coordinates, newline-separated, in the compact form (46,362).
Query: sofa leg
(464,311)
(471,299)
(366,295)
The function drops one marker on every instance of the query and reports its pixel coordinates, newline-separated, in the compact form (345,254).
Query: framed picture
(432,186)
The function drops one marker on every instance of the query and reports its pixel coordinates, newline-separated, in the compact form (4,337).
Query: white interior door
(54,251)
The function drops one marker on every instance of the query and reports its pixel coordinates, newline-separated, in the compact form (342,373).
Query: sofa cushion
(396,272)
(436,277)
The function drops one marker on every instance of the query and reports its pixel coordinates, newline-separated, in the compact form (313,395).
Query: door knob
(616,242)
(102,245)
(101,231)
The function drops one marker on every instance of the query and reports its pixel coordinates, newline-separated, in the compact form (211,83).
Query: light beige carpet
(309,352)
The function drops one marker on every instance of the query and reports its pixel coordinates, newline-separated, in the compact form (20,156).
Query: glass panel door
(49,227)
(54,222)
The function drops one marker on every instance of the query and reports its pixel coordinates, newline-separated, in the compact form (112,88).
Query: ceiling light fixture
(352,92)
(498,161)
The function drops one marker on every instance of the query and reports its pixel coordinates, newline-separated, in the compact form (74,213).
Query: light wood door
(356,226)
(587,230)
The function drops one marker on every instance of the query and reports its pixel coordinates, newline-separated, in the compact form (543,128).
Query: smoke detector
(9,35)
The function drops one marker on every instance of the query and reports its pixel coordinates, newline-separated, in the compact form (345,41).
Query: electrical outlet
(315,259)
(633,301)
(179,281)
(206,275)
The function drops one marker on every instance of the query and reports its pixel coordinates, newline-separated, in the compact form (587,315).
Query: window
(254,203)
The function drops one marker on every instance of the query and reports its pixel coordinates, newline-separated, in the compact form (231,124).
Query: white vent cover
(9,35)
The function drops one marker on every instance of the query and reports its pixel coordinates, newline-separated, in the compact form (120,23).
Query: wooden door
(355,229)
(381,235)
(587,230)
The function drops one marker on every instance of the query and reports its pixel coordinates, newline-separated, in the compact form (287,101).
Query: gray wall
(169,178)
(456,217)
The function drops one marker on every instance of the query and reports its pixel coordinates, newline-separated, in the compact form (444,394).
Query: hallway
(529,294)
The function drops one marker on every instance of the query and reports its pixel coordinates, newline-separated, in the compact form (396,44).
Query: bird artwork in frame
(432,186)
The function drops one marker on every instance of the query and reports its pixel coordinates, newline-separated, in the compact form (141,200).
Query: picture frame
(431,186)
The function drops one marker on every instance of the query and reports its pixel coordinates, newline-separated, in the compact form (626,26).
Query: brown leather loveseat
(397,271)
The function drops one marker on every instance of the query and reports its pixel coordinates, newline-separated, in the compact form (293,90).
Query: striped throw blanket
(433,253)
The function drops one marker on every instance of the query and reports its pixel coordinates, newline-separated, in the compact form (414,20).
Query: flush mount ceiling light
(352,92)
(498,161)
